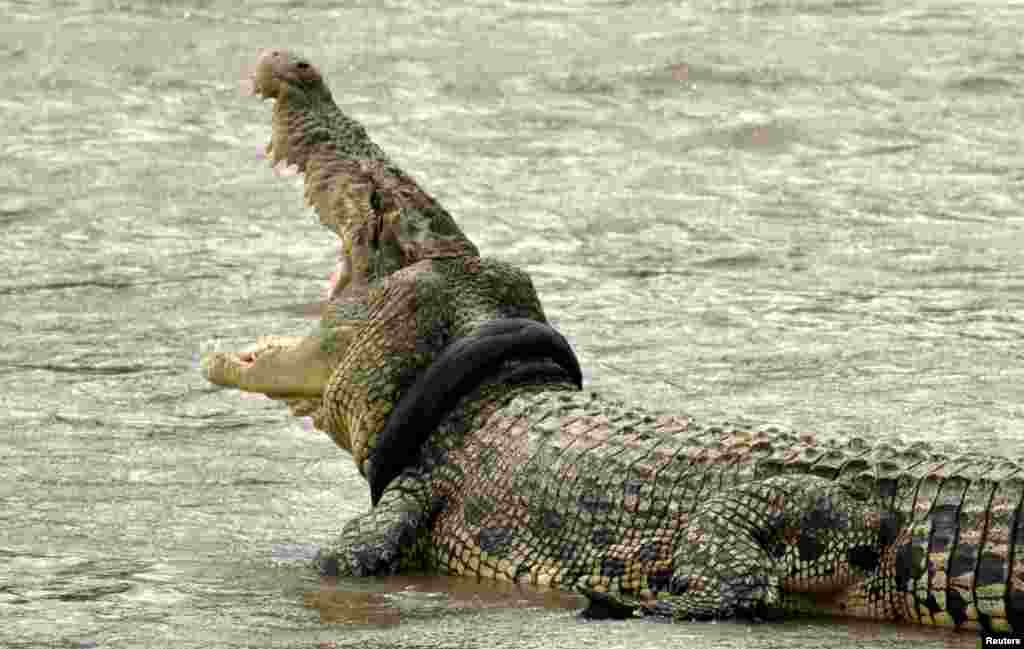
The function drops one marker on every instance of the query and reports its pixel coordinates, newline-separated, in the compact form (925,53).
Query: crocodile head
(384,220)
(278,72)
(304,110)
(408,284)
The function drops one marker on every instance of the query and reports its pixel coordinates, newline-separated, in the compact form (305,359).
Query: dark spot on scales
(328,566)
(1015,610)
(886,489)
(908,560)
(631,487)
(864,557)
(809,546)
(647,552)
(822,516)
(985,622)
(601,537)
(963,559)
(567,552)
(613,567)
(551,520)
(888,529)
(593,502)
(956,605)
(1017,525)
(494,540)
(679,585)
(659,580)
(944,524)
(769,536)
(991,571)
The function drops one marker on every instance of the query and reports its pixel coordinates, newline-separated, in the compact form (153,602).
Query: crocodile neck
(514,379)
(505,351)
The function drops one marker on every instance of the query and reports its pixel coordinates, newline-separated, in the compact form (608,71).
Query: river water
(800,212)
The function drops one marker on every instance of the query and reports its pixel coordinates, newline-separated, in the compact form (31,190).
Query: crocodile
(437,370)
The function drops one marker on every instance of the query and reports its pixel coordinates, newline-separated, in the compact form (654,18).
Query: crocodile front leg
(759,551)
(392,537)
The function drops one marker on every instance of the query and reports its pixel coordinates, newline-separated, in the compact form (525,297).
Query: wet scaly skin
(526,479)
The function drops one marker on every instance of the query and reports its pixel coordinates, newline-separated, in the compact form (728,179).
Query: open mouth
(333,287)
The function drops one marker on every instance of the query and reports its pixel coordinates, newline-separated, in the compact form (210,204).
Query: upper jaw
(277,69)
(260,80)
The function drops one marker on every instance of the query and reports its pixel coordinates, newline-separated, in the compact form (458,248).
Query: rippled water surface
(808,213)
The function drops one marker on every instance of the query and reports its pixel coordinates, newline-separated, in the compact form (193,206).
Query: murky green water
(807,212)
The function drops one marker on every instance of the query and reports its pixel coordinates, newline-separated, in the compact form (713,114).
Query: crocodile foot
(606,606)
(755,598)
(752,598)
(388,539)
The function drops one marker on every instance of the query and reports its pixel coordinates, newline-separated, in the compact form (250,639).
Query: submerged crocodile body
(436,369)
